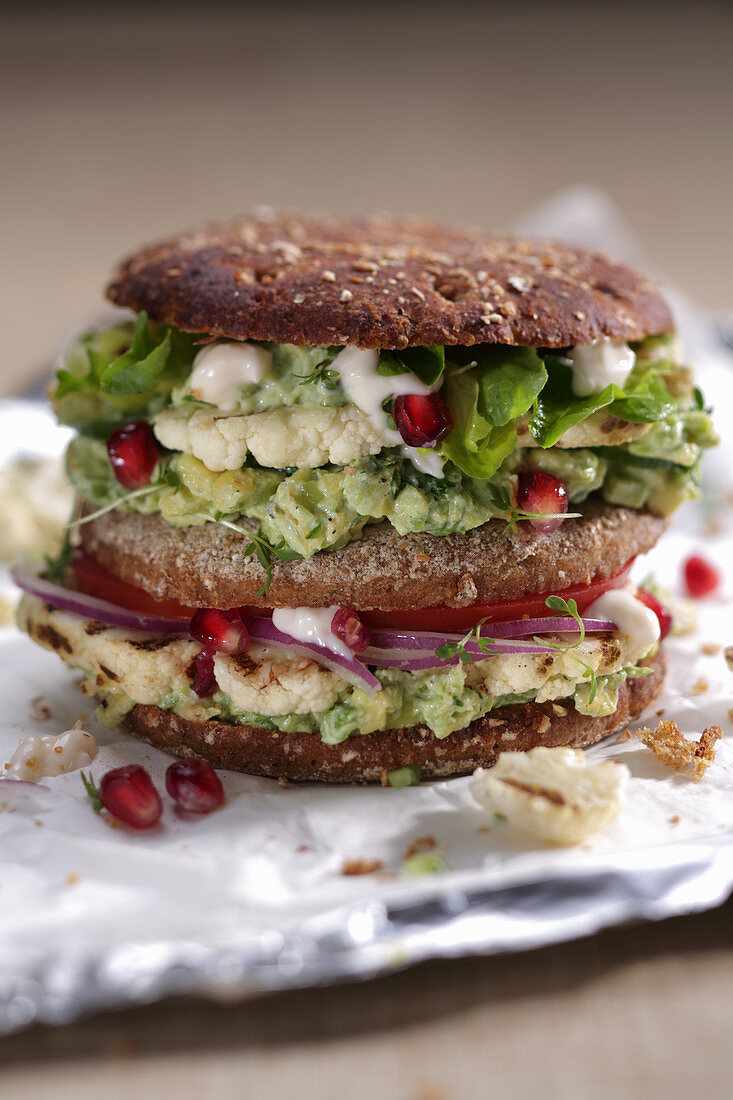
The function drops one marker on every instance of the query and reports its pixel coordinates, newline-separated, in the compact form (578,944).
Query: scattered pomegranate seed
(129,795)
(220,630)
(133,453)
(204,681)
(194,785)
(422,419)
(701,578)
(650,601)
(538,491)
(347,626)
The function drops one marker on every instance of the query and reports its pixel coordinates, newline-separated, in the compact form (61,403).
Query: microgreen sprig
(321,375)
(262,548)
(570,608)
(93,792)
(458,649)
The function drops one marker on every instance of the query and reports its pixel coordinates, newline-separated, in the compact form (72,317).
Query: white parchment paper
(254,897)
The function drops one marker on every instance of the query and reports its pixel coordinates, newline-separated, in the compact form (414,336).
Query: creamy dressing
(368,390)
(220,370)
(39,756)
(633,618)
(312,625)
(597,365)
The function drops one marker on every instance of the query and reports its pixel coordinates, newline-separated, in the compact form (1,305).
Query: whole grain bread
(384,282)
(304,756)
(207,567)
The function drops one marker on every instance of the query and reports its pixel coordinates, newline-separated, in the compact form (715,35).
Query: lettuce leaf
(475,445)
(140,368)
(645,400)
(427,363)
(509,381)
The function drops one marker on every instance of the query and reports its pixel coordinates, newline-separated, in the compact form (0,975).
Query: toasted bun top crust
(384,282)
(207,567)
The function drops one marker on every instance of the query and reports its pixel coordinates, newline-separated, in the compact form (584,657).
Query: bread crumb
(73,878)
(304,848)
(420,844)
(700,687)
(38,710)
(675,820)
(709,649)
(625,736)
(674,750)
(661,712)
(361,866)
(728,654)
(284,782)
(730,714)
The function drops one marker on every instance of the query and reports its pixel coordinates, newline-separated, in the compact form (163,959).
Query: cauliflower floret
(552,793)
(302,437)
(553,675)
(264,681)
(146,667)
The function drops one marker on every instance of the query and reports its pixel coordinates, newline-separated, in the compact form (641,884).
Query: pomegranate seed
(129,795)
(538,491)
(347,626)
(701,578)
(133,453)
(194,785)
(665,619)
(220,630)
(422,419)
(204,680)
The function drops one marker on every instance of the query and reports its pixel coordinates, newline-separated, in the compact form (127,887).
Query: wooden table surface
(117,126)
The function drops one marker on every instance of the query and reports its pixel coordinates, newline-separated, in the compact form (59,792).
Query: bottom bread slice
(367,758)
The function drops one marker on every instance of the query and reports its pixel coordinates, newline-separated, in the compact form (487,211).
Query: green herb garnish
(93,793)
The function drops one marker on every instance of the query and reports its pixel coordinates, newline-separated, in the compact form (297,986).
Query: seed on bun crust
(385,283)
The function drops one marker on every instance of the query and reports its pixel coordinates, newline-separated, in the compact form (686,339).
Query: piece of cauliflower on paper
(555,794)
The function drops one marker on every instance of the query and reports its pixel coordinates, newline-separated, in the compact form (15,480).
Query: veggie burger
(361,497)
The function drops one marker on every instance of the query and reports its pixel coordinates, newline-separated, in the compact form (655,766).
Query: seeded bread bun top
(207,567)
(384,282)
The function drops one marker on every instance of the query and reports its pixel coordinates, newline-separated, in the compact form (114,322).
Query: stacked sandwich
(361,496)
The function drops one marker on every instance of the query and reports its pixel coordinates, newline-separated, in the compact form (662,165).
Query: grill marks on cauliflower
(553,675)
(302,437)
(144,666)
(264,682)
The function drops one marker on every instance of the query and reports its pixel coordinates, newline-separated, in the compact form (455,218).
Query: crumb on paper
(304,848)
(38,710)
(728,654)
(361,866)
(674,750)
(660,713)
(675,820)
(420,844)
(730,715)
(73,878)
(625,736)
(700,686)
(554,794)
(284,782)
(710,649)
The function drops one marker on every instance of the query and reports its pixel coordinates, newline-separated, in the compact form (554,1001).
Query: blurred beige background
(120,123)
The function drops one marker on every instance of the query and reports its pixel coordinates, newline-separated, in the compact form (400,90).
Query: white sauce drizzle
(633,618)
(312,625)
(48,755)
(220,370)
(367,389)
(596,365)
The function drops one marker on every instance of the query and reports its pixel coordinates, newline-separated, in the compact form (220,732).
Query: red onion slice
(349,669)
(67,599)
(517,628)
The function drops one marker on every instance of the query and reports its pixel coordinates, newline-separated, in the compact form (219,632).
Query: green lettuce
(427,363)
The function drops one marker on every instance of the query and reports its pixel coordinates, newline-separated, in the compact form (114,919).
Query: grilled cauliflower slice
(598,430)
(306,438)
(554,794)
(266,682)
(146,667)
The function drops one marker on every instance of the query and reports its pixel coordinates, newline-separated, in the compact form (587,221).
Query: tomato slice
(450,619)
(95,580)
